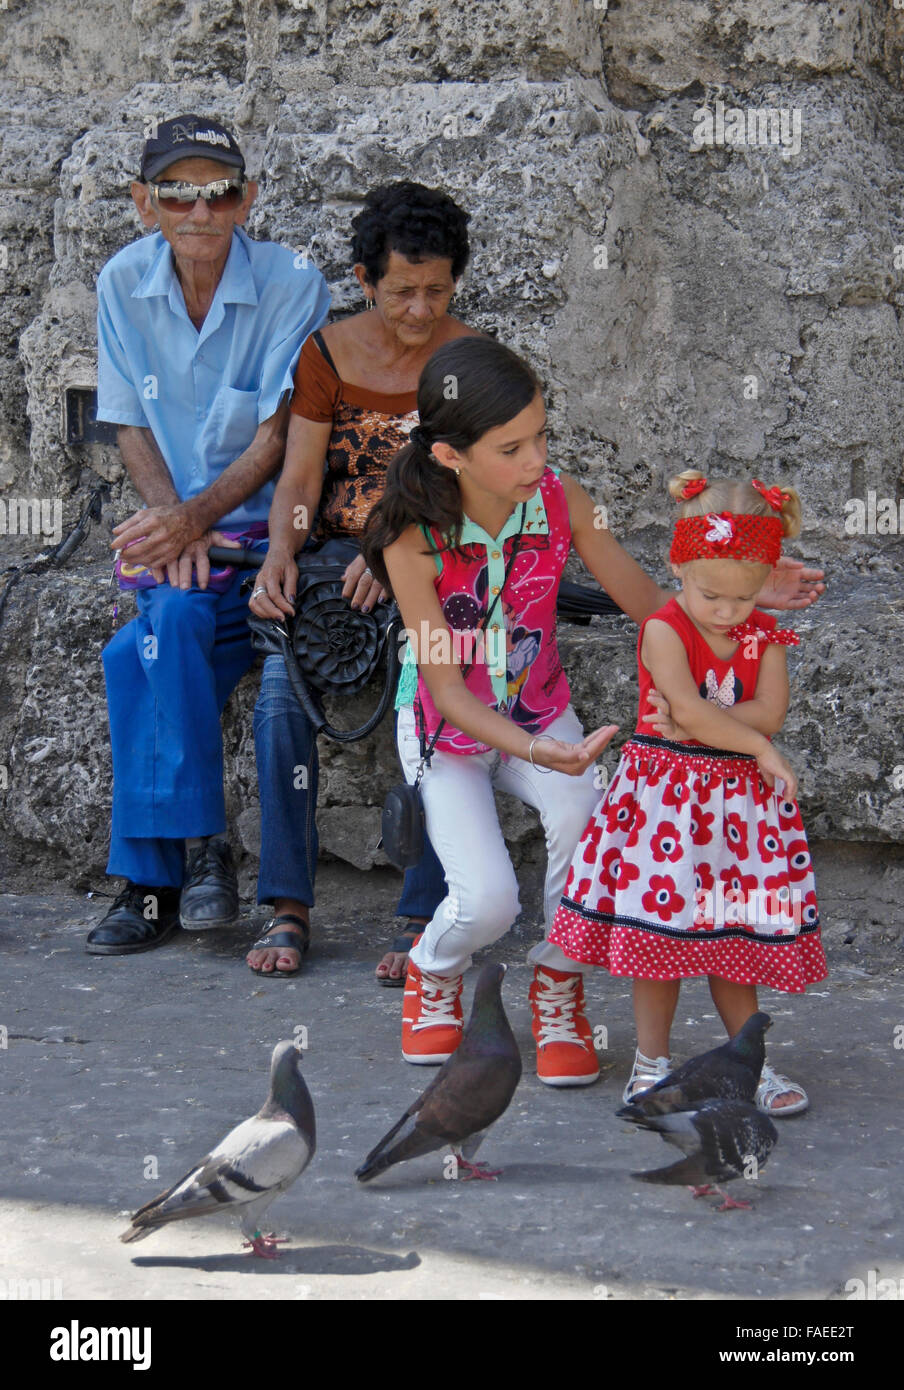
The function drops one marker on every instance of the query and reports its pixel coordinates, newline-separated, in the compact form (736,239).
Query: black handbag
(329,647)
(404,824)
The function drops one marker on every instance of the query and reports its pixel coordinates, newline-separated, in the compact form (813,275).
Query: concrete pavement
(118,1067)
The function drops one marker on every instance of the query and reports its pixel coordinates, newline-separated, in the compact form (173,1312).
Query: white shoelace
(557,997)
(440,1008)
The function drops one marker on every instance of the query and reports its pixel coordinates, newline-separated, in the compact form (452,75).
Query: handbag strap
(324,350)
(425,751)
(318,720)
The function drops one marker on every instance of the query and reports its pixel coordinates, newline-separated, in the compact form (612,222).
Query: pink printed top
(517,670)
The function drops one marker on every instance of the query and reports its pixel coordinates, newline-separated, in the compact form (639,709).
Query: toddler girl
(696,862)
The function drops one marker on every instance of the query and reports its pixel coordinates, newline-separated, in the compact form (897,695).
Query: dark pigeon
(256,1161)
(729,1072)
(469,1092)
(723,1139)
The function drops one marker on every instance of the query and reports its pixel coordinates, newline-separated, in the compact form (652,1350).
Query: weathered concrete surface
(111,1061)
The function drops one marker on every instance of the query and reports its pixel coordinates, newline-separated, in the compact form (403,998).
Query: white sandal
(645,1073)
(772,1085)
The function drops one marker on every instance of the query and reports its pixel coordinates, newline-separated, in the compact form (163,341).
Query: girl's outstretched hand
(662,721)
(791,585)
(572,758)
(772,765)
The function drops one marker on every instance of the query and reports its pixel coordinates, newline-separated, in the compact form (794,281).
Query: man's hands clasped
(166,540)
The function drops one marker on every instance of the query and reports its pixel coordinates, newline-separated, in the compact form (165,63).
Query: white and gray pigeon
(722,1139)
(467,1095)
(256,1161)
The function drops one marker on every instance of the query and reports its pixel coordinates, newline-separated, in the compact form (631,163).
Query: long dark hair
(469,386)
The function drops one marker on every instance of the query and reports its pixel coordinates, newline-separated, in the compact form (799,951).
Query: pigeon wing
(700,1079)
(464,1098)
(257,1157)
(383,1155)
(719,1141)
(472,1097)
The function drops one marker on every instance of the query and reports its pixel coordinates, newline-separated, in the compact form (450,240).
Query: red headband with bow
(727,536)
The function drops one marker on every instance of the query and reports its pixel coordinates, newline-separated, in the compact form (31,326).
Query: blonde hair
(725,495)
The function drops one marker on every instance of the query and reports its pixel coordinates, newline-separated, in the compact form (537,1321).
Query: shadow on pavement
(316,1259)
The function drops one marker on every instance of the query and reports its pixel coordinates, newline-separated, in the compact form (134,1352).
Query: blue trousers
(169,673)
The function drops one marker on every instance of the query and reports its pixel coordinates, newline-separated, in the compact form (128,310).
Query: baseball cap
(185,137)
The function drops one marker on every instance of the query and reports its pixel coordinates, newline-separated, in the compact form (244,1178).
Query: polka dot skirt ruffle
(692,866)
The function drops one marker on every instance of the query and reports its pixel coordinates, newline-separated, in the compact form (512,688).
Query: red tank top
(724,682)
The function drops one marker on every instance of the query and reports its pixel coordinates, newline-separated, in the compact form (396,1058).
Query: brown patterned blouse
(369,428)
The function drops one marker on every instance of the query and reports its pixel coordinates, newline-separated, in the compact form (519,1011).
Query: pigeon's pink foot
(475,1170)
(730,1204)
(263,1246)
(702,1191)
(273,1239)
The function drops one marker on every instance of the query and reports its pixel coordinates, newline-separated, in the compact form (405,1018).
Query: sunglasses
(181,197)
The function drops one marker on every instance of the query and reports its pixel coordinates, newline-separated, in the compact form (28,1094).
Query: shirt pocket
(230,426)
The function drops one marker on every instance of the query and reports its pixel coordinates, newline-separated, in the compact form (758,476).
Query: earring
(370,303)
(458,472)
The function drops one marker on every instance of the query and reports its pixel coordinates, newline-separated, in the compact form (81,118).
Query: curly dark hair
(420,223)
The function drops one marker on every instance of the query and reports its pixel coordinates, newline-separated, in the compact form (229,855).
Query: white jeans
(460,809)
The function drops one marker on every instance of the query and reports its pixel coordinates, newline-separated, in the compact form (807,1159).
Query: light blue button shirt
(203,394)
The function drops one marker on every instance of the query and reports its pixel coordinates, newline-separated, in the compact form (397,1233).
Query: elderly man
(199,331)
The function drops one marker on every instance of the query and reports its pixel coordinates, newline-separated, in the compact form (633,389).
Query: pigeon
(723,1139)
(469,1092)
(256,1161)
(729,1072)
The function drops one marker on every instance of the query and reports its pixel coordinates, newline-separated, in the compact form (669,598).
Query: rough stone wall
(731,306)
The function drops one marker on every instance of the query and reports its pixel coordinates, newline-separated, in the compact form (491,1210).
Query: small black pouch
(404,826)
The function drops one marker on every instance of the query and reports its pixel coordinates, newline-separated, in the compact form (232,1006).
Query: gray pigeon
(729,1072)
(723,1139)
(256,1161)
(469,1092)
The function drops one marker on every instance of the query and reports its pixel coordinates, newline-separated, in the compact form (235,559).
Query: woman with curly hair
(353,408)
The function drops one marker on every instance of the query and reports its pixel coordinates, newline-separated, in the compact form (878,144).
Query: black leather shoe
(140,919)
(210,894)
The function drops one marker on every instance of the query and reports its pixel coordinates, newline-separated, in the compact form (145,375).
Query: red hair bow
(693,488)
(773,495)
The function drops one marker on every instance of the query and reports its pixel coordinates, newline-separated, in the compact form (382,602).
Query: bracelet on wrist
(530,752)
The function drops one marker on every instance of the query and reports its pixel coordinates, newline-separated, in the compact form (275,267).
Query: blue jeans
(169,673)
(287,772)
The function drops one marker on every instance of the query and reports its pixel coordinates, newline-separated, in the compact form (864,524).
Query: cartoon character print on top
(725,694)
(536,689)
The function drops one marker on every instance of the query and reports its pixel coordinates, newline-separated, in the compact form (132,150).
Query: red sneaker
(432,1018)
(565,1052)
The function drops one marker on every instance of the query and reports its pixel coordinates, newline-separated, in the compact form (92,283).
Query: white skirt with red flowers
(691,865)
